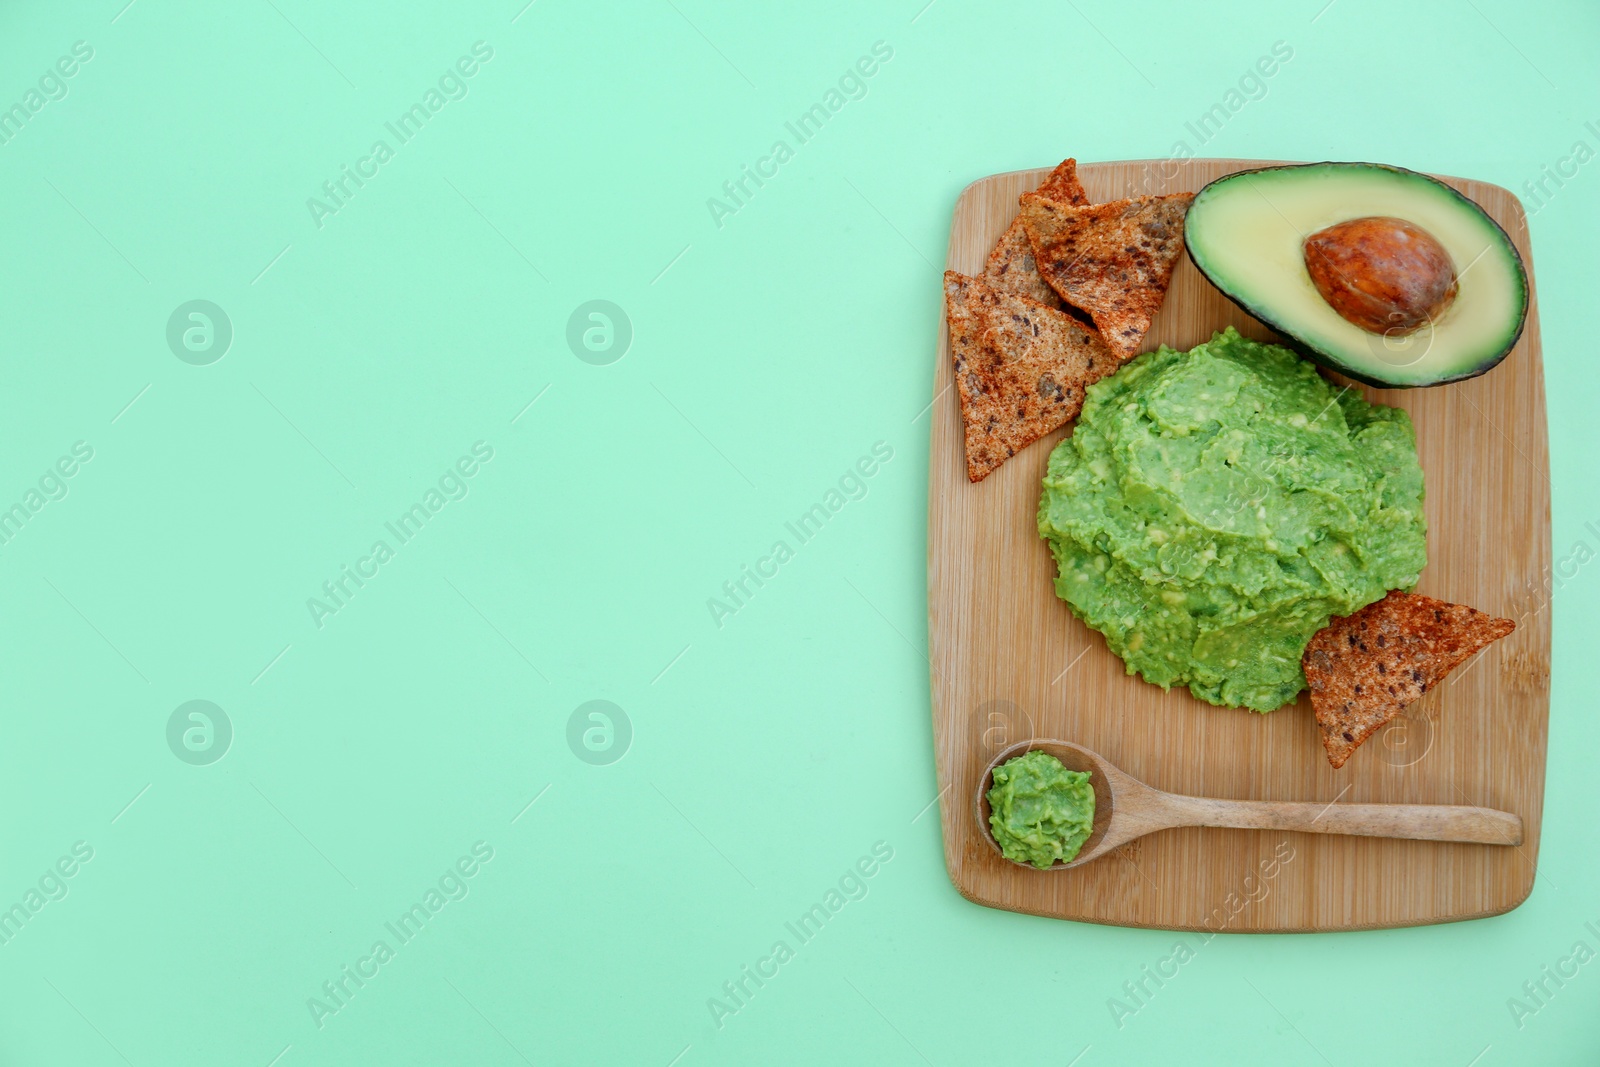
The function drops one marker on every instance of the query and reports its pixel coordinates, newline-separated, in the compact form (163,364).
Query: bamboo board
(1009,661)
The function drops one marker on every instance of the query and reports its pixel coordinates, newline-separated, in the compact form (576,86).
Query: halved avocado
(1247,233)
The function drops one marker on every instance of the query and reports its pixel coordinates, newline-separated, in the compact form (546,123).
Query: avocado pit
(1385,275)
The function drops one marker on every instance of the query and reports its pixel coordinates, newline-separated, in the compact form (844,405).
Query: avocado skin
(1331,360)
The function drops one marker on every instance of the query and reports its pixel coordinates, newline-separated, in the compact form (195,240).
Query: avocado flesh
(1246,233)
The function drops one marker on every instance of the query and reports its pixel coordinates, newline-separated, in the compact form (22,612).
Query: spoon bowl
(1125,808)
(1073,758)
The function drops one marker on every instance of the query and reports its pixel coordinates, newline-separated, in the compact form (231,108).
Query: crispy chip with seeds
(1021,368)
(1010,265)
(1364,669)
(1112,260)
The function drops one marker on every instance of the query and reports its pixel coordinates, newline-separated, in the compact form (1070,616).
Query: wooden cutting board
(1009,661)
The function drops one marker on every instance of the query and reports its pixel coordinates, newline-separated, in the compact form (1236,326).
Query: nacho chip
(1062,184)
(1112,260)
(1364,669)
(1021,368)
(1010,265)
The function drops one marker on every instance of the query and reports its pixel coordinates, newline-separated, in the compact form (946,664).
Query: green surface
(765,757)
(1214,508)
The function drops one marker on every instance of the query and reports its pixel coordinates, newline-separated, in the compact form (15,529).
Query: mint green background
(777,749)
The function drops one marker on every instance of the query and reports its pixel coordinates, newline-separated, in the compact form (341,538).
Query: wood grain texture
(1010,662)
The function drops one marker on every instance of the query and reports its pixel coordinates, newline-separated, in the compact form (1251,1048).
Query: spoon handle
(1417,822)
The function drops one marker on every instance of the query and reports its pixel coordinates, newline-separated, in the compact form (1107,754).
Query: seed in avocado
(1383,274)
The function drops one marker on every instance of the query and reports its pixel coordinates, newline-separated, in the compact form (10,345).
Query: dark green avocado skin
(1331,360)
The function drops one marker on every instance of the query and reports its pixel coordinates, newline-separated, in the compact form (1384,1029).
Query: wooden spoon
(1126,808)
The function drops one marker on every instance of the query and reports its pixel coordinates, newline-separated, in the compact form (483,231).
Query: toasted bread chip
(1112,260)
(1062,184)
(1021,368)
(1364,669)
(1010,265)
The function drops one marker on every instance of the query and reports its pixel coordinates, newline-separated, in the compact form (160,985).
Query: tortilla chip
(1062,184)
(1021,368)
(1364,669)
(1112,260)
(1010,265)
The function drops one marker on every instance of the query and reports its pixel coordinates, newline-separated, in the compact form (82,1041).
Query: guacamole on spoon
(1214,508)
(1040,812)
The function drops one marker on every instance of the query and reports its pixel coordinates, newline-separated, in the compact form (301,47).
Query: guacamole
(1214,508)
(1039,811)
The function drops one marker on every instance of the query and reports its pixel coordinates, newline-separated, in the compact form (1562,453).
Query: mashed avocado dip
(1215,507)
(1039,811)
